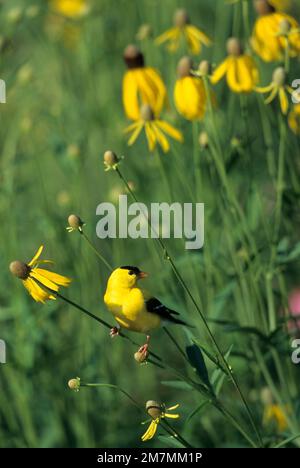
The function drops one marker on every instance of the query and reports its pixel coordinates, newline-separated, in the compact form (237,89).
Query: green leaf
(179,384)
(196,359)
(197,410)
(171,441)
(287,441)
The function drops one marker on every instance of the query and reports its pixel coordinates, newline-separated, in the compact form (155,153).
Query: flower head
(273,32)
(278,87)
(74,384)
(182,29)
(38,281)
(155,130)
(111,160)
(75,223)
(189,91)
(157,412)
(141,84)
(294,120)
(70,8)
(239,68)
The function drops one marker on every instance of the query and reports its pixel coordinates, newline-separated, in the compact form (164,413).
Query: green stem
(95,250)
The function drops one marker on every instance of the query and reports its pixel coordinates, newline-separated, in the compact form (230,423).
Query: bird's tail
(178,321)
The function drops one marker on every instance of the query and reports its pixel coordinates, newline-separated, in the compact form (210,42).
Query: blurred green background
(63,110)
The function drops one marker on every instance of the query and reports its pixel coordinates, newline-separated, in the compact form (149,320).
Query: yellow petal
(171,408)
(136,133)
(37,255)
(149,434)
(220,71)
(131,101)
(168,35)
(193,43)
(161,90)
(171,415)
(131,127)
(170,130)
(151,88)
(43,280)
(189,97)
(54,277)
(272,95)
(284,103)
(265,89)
(150,135)
(162,140)
(199,35)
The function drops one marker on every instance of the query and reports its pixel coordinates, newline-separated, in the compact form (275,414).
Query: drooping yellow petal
(189,97)
(151,88)
(131,127)
(170,130)
(131,100)
(162,140)
(193,43)
(171,408)
(150,135)
(220,71)
(161,90)
(136,133)
(54,277)
(171,415)
(294,119)
(168,35)
(265,89)
(284,103)
(149,434)
(272,95)
(37,256)
(34,274)
(200,35)
(36,292)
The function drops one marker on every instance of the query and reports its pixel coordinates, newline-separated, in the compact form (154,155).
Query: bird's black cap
(132,269)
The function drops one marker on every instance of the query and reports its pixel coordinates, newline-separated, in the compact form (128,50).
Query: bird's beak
(142,275)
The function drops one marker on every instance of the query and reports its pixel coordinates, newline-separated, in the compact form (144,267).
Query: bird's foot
(114,332)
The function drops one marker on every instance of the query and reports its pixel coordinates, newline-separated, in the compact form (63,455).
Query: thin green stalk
(103,260)
(196,152)
(210,334)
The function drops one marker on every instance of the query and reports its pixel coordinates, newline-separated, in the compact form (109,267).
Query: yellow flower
(294,119)
(189,92)
(157,412)
(274,414)
(34,278)
(240,69)
(141,85)
(183,30)
(273,32)
(155,130)
(70,8)
(278,87)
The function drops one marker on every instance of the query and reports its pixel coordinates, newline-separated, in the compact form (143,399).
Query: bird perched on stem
(133,308)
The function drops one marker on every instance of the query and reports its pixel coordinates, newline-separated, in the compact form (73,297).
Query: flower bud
(75,222)
(279,76)
(204,68)
(234,47)
(266,396)
(110,159)
(181,18)
(133,57)
(263,7)
(144,32)
(154,409)
(203,140)
(74,384)
(19,269)
(184,67)
(141,357)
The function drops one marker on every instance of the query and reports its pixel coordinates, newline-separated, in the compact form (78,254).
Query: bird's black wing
(154,306)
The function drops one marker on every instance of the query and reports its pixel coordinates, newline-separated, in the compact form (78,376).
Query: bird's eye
(131,272)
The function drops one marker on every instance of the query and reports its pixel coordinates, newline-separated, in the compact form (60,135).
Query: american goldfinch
(134,308)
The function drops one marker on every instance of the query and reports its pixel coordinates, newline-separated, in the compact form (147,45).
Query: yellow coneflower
(274,414)
(278,87)
(240,69)
(157,412)
(294,119)
(273,32)
(183,30)
(189,92)
(141,85)
(70,8)
(155,130)
(34,278)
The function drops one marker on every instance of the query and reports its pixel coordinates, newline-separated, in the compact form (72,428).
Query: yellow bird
(134,308)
